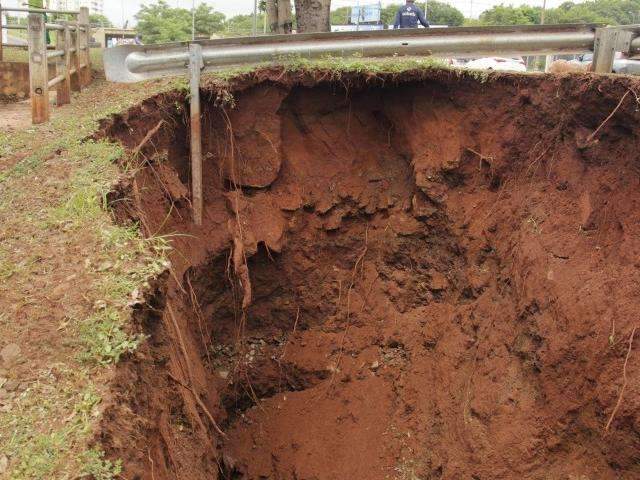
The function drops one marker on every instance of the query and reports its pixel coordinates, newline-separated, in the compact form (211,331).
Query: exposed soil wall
(14,81)
(420,276)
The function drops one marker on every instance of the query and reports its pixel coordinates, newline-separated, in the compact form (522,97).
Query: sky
(119,10)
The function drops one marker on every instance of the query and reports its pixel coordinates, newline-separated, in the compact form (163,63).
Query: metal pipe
(55,53)
(132,63)
(15,27)
(195,65)
(468,45)
(15,45)
(53,26)
(38,10)
(56,80)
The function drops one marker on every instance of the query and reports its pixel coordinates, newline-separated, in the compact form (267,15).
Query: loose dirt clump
(421,276)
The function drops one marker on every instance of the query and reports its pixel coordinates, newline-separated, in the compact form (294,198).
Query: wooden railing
(69,57)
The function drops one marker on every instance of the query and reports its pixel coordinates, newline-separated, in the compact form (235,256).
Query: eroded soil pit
(421,276)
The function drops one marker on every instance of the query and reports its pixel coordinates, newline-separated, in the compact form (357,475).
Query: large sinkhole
(418,276)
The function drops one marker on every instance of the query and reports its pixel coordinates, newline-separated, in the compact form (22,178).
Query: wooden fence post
(63,64)
(0,31)
(38,74)
(83,21)
(76,84)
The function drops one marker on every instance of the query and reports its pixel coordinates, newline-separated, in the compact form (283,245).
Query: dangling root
(624,382)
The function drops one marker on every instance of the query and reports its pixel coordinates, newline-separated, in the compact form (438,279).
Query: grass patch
(19,55)
(103,339)
(359,64)
(51,202)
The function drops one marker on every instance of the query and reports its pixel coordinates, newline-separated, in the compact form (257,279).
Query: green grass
(359,64)
(49,200)
(20,55)
(15,55)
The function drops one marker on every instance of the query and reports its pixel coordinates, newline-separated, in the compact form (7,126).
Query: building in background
(111,37)
(95,6)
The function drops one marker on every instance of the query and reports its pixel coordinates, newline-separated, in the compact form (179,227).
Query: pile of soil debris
(417,276)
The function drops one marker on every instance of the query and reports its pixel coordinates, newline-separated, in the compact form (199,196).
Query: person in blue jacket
(409,15)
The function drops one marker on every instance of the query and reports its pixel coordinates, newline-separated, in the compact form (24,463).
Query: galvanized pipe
(55,53)
(38,10)
(133,63)
(56,80)
(378,47)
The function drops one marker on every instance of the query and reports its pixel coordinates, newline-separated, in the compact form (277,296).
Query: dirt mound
(416,277)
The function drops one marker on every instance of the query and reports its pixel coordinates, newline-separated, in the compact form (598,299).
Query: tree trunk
(284,16)
(313,15)
(272,15)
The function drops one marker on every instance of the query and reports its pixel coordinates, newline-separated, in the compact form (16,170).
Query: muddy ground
(418,276)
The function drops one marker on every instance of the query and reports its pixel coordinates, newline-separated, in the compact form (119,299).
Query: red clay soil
(421,276)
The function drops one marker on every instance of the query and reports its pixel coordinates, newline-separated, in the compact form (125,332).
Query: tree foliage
(340,16)
(99,19)
(158,22)
(612,12)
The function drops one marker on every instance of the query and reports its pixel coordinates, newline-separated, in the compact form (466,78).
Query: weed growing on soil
(69,270)
(95,465)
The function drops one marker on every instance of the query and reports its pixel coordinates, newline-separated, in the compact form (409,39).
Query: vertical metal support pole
(608,41)
(38,74)
(76,84)
(63,90)
(83,20)
(195,66)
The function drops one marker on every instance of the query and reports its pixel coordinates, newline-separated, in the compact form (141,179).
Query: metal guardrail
(133,63)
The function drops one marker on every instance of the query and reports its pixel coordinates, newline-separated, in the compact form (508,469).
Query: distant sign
(366,13)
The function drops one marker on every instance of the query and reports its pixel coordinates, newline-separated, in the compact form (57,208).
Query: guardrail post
(195,66)
(38,74)
(63,41)
(608,41)
(83,21)
(76,84)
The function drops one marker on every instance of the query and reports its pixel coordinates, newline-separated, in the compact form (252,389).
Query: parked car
(621,64)
(498,63)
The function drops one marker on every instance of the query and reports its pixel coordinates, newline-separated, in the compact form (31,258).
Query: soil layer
(419,276)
